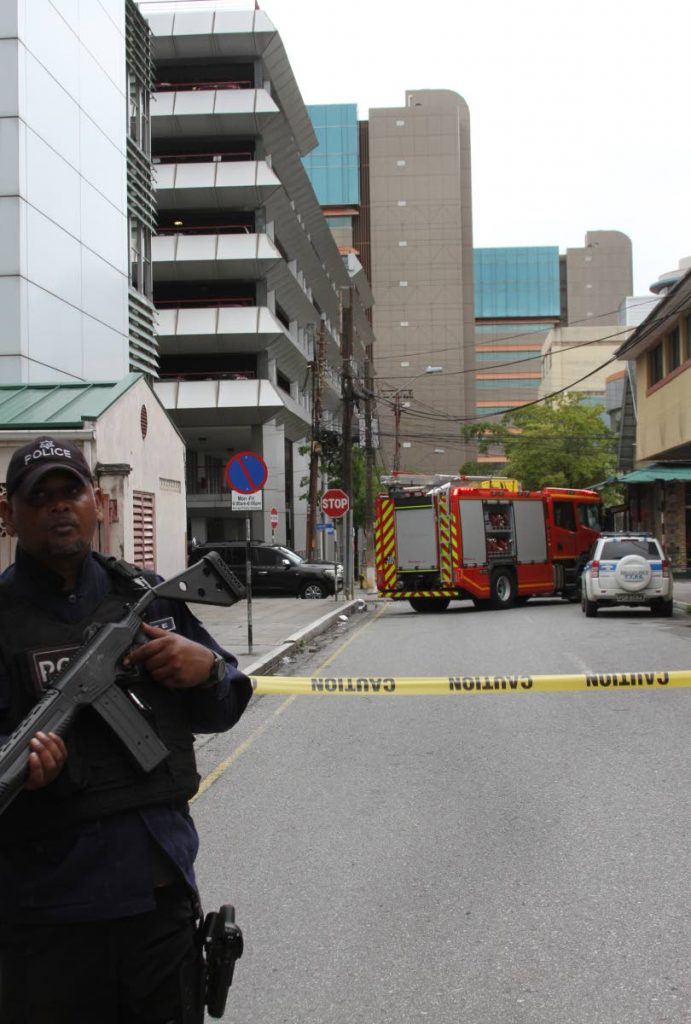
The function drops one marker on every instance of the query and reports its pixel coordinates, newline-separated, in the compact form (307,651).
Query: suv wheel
(589,607)
(663,608)
(314,590)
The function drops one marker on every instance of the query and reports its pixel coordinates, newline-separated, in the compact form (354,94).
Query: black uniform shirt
(108,868)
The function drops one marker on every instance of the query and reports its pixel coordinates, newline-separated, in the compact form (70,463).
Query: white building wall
(63,190)
(157,466)
(635,308)
(580,354)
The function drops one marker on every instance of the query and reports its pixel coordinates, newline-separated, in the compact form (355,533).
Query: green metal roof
(656,472)
(51,406)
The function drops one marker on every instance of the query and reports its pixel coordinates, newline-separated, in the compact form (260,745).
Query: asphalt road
(498,859)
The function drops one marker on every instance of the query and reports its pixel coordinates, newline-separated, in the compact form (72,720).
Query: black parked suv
(275,569)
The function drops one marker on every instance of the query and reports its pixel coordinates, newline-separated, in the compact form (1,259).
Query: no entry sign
(274,518)
(246,472)
(335,502)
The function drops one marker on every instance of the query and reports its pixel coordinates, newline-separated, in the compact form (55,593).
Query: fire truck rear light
(594,569)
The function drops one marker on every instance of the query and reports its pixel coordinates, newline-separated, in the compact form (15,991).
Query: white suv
(629,569)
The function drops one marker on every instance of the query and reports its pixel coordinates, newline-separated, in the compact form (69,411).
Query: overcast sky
(580,111)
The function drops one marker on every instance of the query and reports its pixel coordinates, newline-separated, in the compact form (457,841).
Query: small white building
(135,451)
(580,359)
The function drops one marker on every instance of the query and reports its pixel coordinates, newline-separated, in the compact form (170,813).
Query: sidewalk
(682,595)
(279,624)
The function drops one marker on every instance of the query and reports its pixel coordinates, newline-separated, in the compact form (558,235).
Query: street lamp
(397,413)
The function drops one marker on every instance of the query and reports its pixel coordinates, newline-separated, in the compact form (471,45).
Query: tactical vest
(99,777)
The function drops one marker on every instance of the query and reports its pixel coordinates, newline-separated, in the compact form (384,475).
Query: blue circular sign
(246,473)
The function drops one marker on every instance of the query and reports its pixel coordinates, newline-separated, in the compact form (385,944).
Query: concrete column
(275,488)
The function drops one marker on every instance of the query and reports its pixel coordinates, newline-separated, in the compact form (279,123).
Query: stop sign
(335,502)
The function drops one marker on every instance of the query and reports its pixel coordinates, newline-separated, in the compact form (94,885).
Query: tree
(331,458)
(562,442)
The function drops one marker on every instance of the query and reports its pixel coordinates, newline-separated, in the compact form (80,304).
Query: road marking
(219,770)
(223,767)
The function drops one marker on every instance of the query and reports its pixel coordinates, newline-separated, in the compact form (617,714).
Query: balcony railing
(207,480)
(204,302)
(200,86)
(207,375)
(204,158)
(206,229)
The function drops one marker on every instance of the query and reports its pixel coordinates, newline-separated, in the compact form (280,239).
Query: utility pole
(397,431)
(347,394)
(348,398)
(369,463)
(315,444)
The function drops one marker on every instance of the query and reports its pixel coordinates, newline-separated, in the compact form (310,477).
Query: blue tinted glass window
(517,282)
(333,167)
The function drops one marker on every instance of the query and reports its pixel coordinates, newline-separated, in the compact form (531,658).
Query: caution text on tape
(465,684)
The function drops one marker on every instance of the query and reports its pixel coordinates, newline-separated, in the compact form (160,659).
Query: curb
(268,662)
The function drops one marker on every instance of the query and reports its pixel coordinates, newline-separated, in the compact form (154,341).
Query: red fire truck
(487,540)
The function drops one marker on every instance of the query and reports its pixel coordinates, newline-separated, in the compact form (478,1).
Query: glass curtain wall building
(517,301)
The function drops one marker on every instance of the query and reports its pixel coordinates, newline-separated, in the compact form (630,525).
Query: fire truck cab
(487,540)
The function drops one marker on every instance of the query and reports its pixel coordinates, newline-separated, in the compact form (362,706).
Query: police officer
(98,902)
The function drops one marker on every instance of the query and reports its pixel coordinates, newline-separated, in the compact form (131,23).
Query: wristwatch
(218,671)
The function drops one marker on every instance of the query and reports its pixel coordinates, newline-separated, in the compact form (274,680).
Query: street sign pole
(335,537)
(246,474)
(336,504)
(248,575)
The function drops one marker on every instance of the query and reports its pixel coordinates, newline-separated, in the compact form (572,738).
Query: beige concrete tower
(598,278)
(422,277)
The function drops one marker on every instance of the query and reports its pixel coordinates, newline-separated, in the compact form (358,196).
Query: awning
(656,471)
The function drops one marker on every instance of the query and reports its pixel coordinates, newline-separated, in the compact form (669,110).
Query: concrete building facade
(582,360)
(249,284)
(421,260)
(659,483)
(598,277)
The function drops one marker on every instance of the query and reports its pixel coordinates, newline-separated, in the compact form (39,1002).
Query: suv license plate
(630,598)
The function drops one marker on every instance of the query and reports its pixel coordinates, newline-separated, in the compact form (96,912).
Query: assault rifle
(91,676)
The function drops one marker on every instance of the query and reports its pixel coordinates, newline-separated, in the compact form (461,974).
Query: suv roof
(240,543)
(628,534)
(217,543)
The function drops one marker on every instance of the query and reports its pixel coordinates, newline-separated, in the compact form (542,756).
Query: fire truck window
(589,516)
(564,515)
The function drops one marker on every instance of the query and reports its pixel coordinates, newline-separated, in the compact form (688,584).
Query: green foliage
(331,465)
(492,469)
(560,443)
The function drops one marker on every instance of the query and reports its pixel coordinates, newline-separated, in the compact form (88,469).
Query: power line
(524,405)
(527,359)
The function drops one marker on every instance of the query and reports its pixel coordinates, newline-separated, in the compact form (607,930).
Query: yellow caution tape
(420,685)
